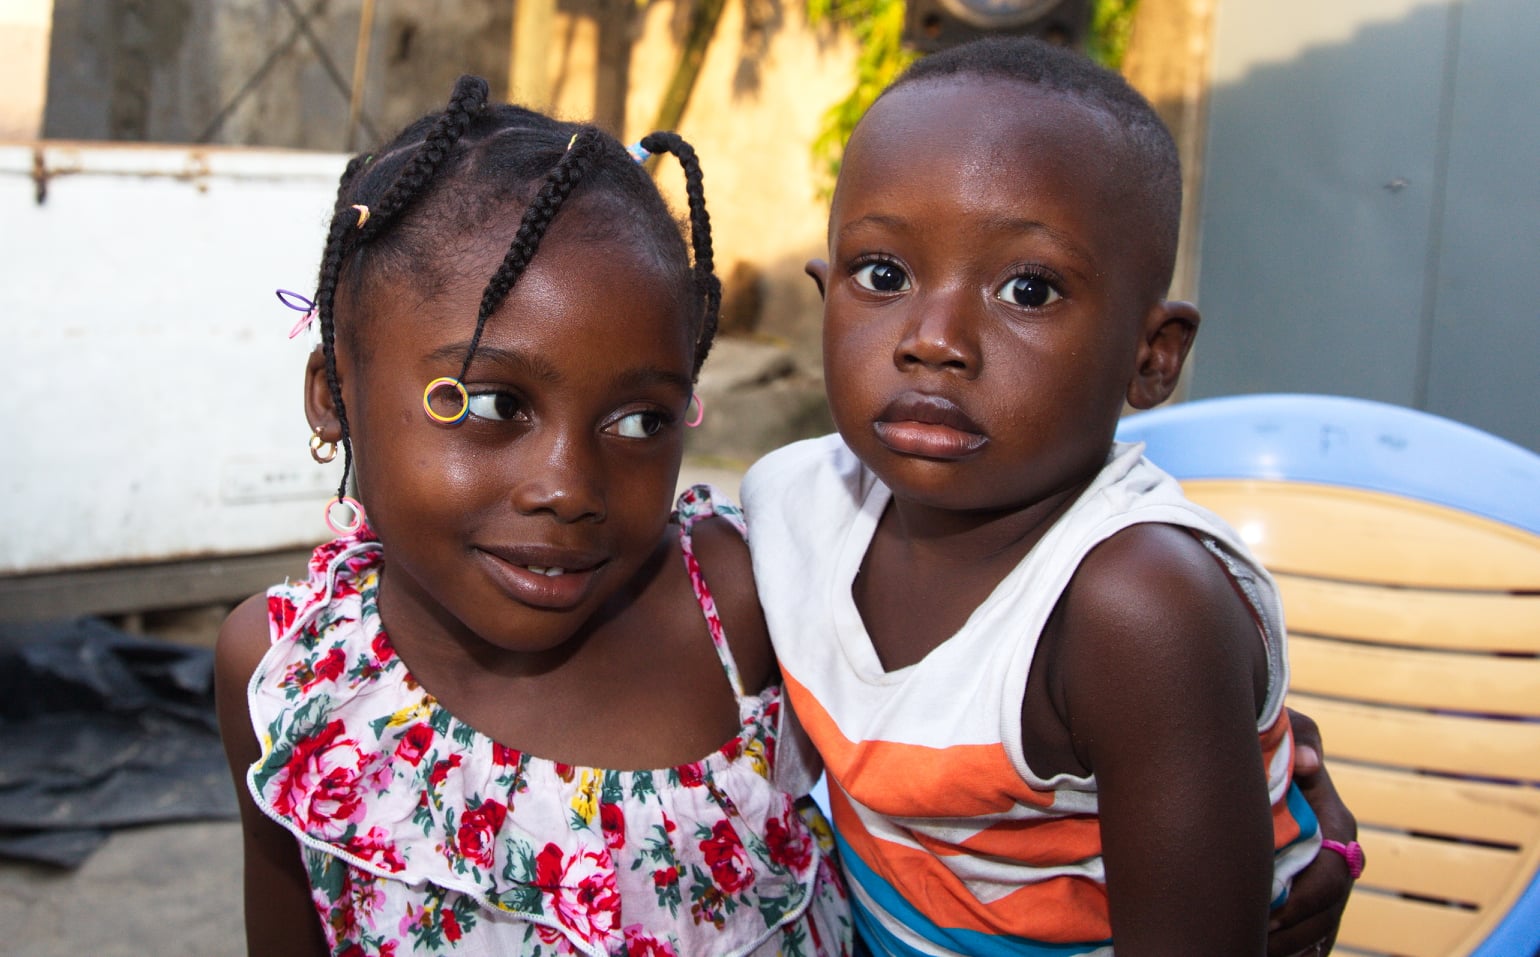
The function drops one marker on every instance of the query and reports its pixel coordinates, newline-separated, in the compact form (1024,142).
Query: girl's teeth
(551,572)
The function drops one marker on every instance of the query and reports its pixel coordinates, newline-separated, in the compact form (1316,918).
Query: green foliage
(878,29)
(1112,22)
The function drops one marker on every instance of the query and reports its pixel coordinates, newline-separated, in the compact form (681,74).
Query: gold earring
(315,447)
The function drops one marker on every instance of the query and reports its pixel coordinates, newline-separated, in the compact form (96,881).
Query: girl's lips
(544,579)
(928,426)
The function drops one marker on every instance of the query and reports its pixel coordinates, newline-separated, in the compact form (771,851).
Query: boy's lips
(553,579)
(928,426)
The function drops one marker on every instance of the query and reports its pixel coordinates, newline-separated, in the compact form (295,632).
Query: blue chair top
(1337,440)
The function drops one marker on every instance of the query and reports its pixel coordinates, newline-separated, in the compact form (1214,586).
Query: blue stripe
(882,941)
(1304,816)
(1300,810)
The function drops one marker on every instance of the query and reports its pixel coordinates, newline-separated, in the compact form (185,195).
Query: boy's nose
(561,475)
(940,334)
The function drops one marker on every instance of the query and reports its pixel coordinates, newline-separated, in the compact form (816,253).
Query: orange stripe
(1285,827)
(911,780)
(1038,843)
(1055,910)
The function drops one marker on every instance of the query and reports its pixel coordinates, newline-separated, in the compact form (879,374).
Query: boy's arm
(1161,671)
(1319,892)
(280,919)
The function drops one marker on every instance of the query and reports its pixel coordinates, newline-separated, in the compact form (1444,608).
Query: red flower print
(451,923)
(344,586)
(665,876)
(639,943)
(477,837)
(322,783)
(690,775)
(791,848)
(504,756)
(612,820)
(377,848)
(582,893)
(414,744)
(381,648)
(441,770)
(281,612)
(728,860)
(329,668)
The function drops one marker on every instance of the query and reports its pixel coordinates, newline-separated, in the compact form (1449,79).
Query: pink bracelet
(1352,852)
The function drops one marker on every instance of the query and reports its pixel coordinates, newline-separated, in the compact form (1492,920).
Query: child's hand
(1307,923)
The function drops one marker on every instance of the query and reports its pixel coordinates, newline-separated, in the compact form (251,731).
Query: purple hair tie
(299,304)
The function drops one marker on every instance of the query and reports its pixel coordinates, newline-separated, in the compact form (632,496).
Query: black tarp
(100,729)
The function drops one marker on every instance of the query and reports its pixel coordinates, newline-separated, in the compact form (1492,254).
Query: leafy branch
(878,29)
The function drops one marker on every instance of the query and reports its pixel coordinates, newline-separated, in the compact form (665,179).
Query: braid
(468,99)
(558,185)
(326,296)
(706,281)
(347,233)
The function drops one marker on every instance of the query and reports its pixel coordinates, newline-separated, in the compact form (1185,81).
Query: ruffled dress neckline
(421,830)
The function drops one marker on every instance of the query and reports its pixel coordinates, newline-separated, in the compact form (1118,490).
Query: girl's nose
(561,475)
(941,334)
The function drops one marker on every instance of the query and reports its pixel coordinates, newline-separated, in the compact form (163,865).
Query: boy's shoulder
(791,468)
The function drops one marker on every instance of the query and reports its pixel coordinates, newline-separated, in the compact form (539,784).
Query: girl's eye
(639,425)
(497,406)
(882,276)
(1029,292)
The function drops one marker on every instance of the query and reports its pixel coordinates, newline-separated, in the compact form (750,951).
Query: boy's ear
(819,270)
(1169,328)
(320,409)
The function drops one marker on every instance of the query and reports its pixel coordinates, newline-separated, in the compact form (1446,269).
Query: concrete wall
(1371,215)
(24,31)
(269,73)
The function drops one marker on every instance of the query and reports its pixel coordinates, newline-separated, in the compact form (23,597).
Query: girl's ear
(320,409)
(819,270)
(1169,328)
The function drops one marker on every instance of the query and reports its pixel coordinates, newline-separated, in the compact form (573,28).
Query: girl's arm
(1161,671)
(280,919)
(724,561)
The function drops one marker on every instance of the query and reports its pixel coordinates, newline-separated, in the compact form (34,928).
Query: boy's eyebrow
(1022,225)
(1010,224)
(537,367)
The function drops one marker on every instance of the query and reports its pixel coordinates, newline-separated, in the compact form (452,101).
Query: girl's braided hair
(454,171)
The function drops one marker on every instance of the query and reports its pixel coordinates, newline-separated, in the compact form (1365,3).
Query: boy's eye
(497,406)
(639,425)
(882,277)
(1030,292)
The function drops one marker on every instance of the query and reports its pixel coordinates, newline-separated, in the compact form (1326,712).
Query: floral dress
(423,836)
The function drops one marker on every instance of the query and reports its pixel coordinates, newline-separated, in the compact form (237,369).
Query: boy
(1047,690)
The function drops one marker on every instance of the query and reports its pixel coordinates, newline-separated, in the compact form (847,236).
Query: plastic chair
(1407,549)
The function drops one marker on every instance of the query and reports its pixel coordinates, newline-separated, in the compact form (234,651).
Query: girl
(506,713)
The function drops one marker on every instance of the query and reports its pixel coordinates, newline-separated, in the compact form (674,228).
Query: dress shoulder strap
(696,503)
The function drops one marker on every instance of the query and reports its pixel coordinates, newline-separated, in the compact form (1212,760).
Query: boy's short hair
(1156,173)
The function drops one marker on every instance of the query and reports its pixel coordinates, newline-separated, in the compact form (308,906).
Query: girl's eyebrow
(537,367)
(531,365)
